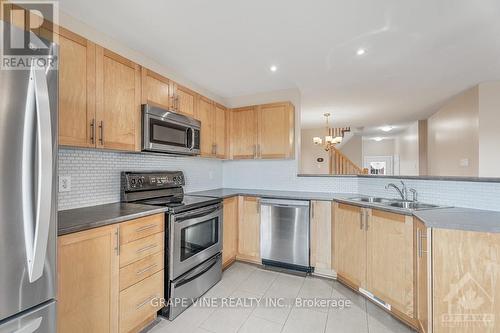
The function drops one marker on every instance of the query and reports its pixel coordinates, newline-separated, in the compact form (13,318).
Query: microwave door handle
(192,139)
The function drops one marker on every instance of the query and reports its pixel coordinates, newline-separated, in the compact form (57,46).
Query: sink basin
(372,199)
(412,205)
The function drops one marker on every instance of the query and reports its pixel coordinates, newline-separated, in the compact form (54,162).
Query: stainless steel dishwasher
(284,233)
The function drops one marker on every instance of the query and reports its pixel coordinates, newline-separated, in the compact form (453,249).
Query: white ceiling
(418,53)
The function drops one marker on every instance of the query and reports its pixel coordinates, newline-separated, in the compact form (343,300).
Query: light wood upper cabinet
(249,229)
(87,299)
(276,131)
(220,131)
(466,281)
(390,275)
(183,100)
(118,101)
(76,90)
(262,131)
(155,89)
(422,274)
(243,133)
(321,237)
(206,114)
(230,231)
(350,244)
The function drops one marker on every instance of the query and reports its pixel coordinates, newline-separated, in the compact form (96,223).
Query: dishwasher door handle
(284,203)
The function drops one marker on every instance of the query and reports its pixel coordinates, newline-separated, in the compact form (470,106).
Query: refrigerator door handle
(38,106)
(31,326)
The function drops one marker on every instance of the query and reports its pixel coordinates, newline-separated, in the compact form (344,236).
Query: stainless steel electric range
(193,235)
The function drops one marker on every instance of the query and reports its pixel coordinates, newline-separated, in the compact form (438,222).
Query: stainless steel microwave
(169,132)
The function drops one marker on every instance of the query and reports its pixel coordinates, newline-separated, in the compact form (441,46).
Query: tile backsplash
(95,179)
(95,175)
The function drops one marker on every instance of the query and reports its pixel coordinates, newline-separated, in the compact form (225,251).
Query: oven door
(194,237)
(169,134)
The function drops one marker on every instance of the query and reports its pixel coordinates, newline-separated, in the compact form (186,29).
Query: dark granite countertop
(79,219)
(461,219)
(297,195)
(444,217)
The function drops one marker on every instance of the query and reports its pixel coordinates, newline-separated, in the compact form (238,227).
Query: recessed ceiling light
(386,128)
(378,139)
(360,52)
(273,68)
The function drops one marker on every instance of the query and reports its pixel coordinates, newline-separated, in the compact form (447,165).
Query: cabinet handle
(177,102)
(259,151)
(144,270)
(366,219)
(419,244)
(92,131)
(214,149)
(146,227)
(361,217)
(146,248)
(101,132)
(254,151)
(146,301)
(312,209)
(117,234)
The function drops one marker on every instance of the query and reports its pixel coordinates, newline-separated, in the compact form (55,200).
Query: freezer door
(39,320)
(28,158)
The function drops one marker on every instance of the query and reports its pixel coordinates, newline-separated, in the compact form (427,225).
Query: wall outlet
(64,183)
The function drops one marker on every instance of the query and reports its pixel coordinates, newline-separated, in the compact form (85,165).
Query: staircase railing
(342,165)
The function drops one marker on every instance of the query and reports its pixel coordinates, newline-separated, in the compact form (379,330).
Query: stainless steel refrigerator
(28,202)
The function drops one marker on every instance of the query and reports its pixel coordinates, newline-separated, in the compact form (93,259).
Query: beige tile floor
(248,281)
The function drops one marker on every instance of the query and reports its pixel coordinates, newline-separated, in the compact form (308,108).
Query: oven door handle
(197,272)
(206,212)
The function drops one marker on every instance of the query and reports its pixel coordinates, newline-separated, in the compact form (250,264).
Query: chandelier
(333,136)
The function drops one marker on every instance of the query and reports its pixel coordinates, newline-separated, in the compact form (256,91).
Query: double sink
(396,203)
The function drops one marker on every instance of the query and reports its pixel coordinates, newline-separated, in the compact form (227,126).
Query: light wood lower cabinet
(389,264)
(249,229)
(88,279)
(230,231)
(374,252)
(108,283)
(321,237)
(140,302)
(465,281)
(350,244)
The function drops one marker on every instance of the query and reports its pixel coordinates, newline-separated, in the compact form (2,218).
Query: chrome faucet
(414,194)
(403,191)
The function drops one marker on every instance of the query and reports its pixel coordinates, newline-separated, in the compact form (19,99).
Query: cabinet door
(185,101)
(466,281)
(155,89)
(350,245)
(76,90)
(220,131)
(243,133)
(321,237)
(390,260)
(230,231)
(118,102)
(421,255)
(87,295)
(249,229)
(276,131)
(206,114)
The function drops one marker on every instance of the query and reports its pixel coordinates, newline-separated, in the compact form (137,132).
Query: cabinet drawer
(140,228)
(141,248)
(136,302)
(139,270)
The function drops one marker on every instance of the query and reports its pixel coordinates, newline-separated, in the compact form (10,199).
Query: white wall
(489,129)
(310,153)
(378,148)
(406,147)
